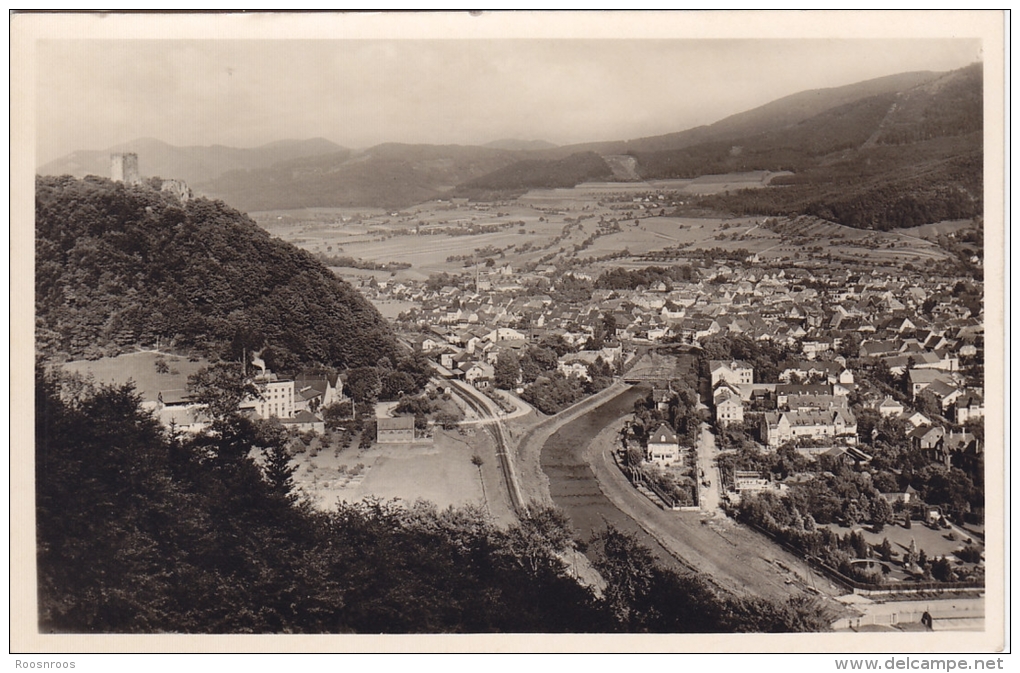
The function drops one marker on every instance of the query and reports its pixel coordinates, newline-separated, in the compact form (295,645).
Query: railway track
(481,405)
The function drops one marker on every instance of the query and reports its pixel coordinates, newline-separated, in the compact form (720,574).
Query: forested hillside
(521,176)
(120,266)
(887,187)
(888,161)
(391,175)
(140,532)
(894,152)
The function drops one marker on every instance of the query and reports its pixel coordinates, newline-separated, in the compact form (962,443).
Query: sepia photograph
(526,327)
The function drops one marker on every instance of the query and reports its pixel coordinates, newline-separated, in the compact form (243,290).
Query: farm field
(935,229)
(391,308)
(821,238)
(430,253)
(544,215)
(657,233)
(714,184)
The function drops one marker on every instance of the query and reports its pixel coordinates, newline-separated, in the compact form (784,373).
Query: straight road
(708,470)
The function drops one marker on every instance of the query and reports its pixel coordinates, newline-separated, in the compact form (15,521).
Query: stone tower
(124,168)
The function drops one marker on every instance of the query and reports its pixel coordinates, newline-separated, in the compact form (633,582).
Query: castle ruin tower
(124,168)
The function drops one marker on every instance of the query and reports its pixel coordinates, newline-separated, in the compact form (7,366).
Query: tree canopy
(141,531)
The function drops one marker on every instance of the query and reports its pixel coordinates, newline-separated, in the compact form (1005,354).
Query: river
(573,485)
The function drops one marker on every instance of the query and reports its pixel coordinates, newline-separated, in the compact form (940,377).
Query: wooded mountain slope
(386,176)
(523,175)
(896,159)
(779,114)
(896,151)
(118,266)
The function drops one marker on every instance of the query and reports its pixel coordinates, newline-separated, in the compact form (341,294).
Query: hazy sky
(92,94)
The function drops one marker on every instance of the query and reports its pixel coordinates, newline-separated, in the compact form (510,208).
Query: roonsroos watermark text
(21,663)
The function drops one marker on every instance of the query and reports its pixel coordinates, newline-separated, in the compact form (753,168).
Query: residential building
(728,406)
(890,407)
(929,439)
(662,398)
(732,371)
(747,481)
(304,421)
(663,445)
(969,406)
(922,378)
(176,411)
(782,427)
(277,397)
(479,374)
(399,430)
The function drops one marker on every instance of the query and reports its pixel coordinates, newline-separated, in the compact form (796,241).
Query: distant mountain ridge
(391,175)
(781,113)
(837,141)
(899,159)
(526,174)
(900,151)
(517,145)
(193,164)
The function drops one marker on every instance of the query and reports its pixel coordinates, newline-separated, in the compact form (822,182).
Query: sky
(97,93)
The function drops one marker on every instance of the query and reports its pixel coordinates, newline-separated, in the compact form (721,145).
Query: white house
(277,397)
(732,371)
(480,375)
(728,407)
(663,445)
(505,334)
(890,407)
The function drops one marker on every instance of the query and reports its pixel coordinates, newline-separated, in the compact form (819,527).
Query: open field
(714,184)
(139,368)
(391,308)
(935,229)
(657,367)
(656,233)
(706,184)
(440,472)
(933,542)
(564,224)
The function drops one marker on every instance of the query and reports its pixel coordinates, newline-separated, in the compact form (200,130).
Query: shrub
(970,554)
